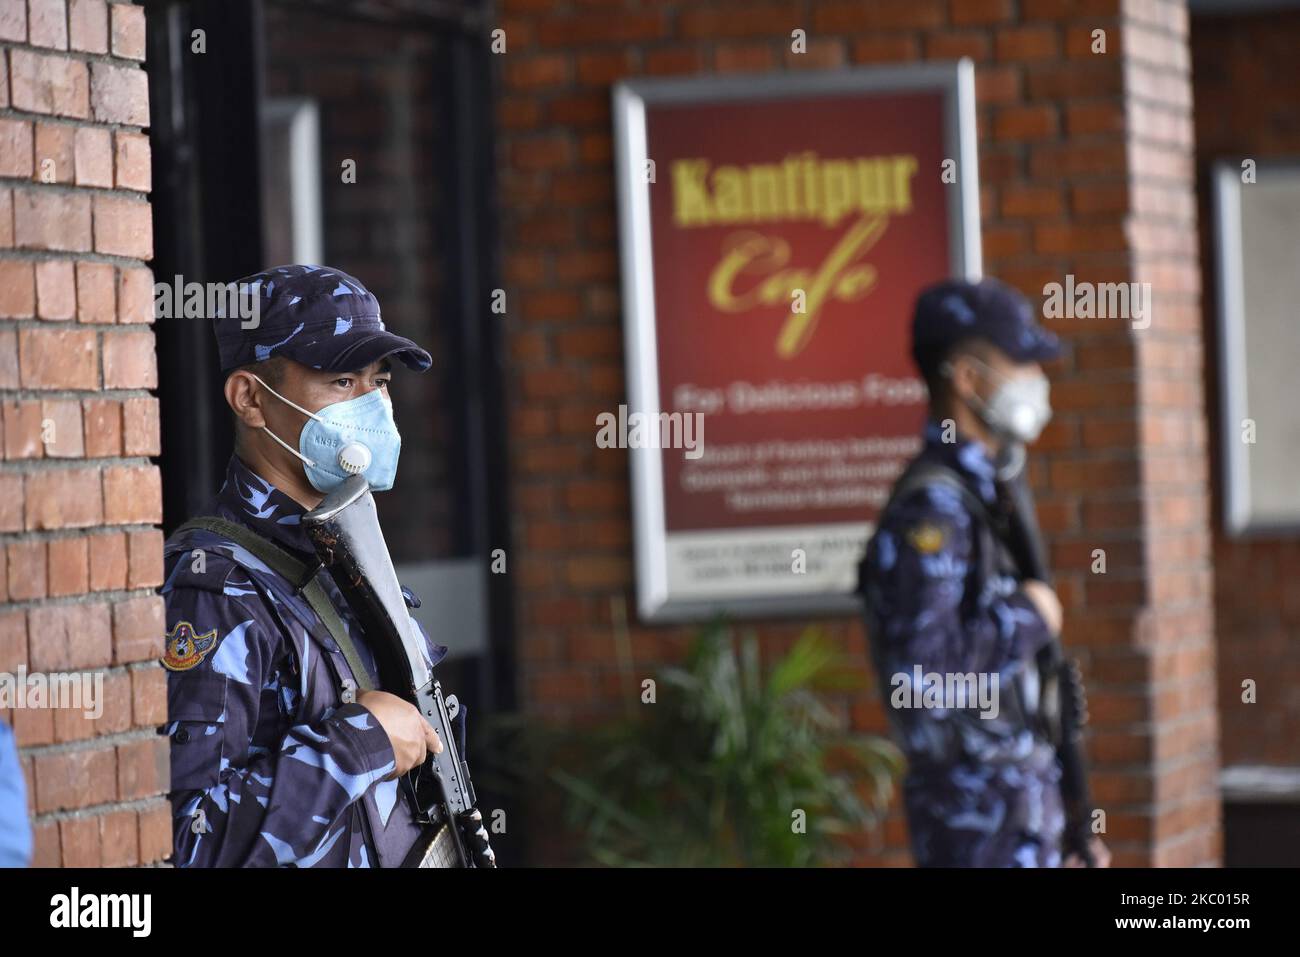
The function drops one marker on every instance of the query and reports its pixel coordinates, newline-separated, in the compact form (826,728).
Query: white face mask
(1019,407)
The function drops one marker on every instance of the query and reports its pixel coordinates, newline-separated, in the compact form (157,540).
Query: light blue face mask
(354,437)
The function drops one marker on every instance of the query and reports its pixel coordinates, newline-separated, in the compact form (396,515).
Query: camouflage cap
(315,315)
(989,309)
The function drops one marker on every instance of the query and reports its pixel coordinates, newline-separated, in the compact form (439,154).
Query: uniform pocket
(196,713)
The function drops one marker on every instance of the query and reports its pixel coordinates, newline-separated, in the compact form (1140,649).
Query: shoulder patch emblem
(185,648)
(926,538)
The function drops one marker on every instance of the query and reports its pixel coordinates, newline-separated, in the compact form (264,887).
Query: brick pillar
(1085,169)
(1172,651)
(79,499)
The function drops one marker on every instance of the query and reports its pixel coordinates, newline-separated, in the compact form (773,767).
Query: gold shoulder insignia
(185,648)
(926,538)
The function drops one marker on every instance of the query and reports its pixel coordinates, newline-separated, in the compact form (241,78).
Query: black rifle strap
(934,473)
(304,578)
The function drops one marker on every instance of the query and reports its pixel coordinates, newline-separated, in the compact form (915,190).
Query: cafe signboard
(774,234)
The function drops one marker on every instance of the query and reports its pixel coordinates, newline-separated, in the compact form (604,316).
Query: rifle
(1025,541)
(345,531)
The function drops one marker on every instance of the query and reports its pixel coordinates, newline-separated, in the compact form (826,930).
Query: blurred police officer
(944,598)
(276,757)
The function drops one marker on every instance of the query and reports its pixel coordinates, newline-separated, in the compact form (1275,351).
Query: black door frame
(206,189)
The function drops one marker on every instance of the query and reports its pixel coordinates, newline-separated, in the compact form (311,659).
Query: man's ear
(963,376)
(245,399)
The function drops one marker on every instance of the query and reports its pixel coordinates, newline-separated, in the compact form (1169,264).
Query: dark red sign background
(699,344)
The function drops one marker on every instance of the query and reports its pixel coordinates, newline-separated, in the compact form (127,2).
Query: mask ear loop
(980,406)
(283,444)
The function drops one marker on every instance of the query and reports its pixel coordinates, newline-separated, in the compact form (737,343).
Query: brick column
(1085,168)
(1172,651)
(79,499)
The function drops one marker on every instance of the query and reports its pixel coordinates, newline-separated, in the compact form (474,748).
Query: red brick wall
(1246,76)
(79,554)
(1085,168)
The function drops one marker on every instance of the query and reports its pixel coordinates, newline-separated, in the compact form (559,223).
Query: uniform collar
(965,456)
(261,506)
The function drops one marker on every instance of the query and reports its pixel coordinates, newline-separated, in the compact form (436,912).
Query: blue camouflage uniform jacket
(941,594)
(270,766)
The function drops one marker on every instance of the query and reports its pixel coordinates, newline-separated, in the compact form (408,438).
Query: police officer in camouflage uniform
(276,758)
(944,600)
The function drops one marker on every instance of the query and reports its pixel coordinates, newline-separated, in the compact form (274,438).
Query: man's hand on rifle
(1045,600)
(411,736)
(1100,854)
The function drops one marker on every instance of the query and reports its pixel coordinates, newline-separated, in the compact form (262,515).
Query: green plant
(727,767)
